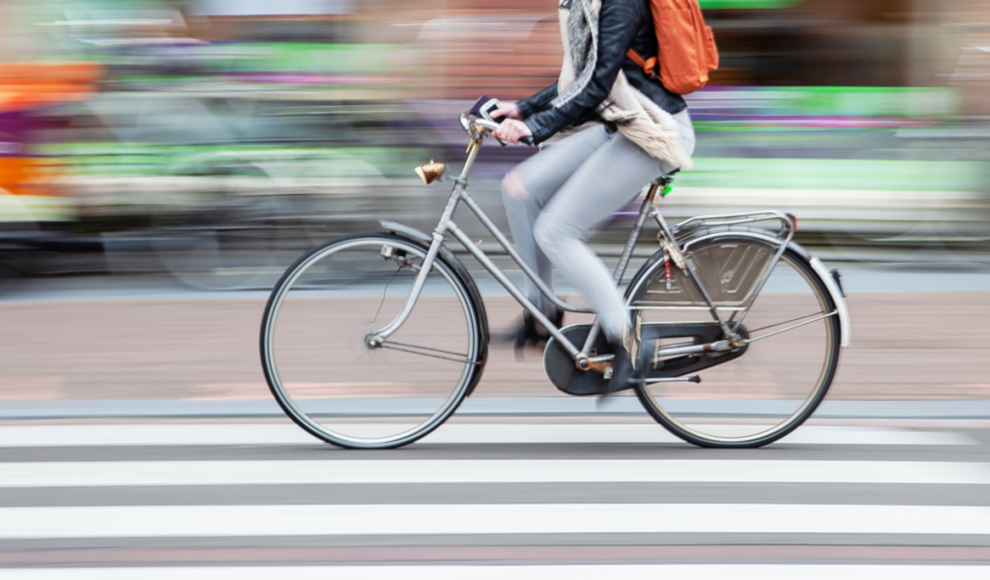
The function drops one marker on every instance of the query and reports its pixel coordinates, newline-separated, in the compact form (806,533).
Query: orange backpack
(686,46)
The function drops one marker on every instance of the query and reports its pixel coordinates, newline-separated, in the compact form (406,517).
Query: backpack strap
(649,65)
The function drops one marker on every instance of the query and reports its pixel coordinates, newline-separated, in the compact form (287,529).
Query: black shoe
(529,332)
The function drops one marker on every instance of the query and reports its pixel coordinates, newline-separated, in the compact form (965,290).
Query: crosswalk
(540,572)
(490,499)
(465,471)
(199,434)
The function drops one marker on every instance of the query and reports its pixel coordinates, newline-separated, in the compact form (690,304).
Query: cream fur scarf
(637,117)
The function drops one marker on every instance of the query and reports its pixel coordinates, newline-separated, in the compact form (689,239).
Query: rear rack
(785,231)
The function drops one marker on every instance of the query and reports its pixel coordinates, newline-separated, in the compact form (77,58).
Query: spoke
(785,321)
(425,348)
(385,293)
(822,317)
(416,349)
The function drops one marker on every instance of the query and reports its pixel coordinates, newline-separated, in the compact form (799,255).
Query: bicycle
(373,340)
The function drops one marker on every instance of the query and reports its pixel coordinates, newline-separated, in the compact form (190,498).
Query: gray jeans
(563,195)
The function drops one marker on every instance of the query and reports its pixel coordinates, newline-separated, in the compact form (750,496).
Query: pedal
(691,379)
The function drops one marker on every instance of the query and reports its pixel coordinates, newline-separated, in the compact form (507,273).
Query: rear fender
(833,289)
(837,298)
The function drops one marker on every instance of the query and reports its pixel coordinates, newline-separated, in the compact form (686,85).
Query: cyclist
(565,193)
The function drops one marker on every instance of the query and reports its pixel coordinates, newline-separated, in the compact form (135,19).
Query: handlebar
(490,125)
(469,122)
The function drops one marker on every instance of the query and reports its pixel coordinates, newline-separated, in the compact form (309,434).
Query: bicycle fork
(377,338)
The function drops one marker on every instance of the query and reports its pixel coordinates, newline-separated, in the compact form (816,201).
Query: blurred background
(215,139)
(161,150)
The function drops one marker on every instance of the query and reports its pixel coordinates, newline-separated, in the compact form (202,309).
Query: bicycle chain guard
(568,378)
(560,366)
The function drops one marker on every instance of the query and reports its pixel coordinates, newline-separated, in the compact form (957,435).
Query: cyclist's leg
(603,184)
(688,138)
(528,187)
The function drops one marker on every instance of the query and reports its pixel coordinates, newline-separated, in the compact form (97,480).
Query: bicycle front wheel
(325,375)
(753,397)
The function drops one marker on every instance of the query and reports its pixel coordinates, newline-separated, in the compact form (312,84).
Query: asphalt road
(543,498)
(912,347)
(856,279)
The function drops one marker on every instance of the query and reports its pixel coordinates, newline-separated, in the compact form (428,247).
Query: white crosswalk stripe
(233,473)
(352,520)
(174,486)
(597,572)
(502,434)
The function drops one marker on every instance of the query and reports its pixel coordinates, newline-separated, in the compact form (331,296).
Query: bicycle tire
(350,297)
(676,423)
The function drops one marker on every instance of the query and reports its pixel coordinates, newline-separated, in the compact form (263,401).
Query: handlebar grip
(527,141)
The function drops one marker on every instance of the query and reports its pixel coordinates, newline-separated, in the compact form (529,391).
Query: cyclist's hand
(512,130)
(507,110)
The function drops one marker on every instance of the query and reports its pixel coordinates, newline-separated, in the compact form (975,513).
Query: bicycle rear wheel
(778,381)
(323,373)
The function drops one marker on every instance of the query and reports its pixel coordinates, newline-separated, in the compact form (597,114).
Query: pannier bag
(686,46)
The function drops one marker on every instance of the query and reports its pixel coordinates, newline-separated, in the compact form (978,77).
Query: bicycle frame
(478,129)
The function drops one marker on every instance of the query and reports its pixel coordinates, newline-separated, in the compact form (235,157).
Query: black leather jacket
(622,24)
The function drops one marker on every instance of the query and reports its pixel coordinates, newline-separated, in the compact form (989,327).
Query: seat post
(652,192)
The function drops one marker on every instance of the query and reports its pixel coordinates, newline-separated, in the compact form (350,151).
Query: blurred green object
(874,101)
(747,4)
(278,57)
(837,174)
(156,159)
(306,57)
(830,101)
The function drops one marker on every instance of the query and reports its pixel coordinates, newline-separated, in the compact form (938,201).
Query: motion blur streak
(214,139)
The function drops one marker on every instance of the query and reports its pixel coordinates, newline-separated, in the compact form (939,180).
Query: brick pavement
(905,346)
